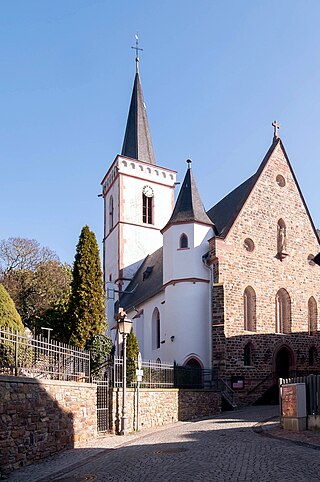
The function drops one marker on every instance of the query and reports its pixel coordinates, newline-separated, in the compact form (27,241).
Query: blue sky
(215,74)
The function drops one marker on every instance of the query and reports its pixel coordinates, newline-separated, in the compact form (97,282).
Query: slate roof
(137,142)
(225,212)
(146,283)
(188,207)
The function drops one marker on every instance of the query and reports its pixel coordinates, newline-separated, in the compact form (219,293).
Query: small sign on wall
(237,383)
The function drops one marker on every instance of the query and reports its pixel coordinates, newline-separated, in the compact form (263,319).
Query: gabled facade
(265,284)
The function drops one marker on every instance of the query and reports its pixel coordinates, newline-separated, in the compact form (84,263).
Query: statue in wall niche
(281,240)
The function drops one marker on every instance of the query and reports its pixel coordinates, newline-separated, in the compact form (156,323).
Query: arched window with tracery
(248,354)
(312,316)
(155,329)
(110,213)
(183,243)
(283,312)
(313,356)
(249,305)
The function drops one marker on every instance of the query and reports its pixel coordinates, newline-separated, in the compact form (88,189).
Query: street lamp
(124,327)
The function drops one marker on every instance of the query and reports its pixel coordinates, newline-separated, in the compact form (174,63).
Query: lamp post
(124,327)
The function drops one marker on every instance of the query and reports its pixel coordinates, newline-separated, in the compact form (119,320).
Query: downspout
(210,268)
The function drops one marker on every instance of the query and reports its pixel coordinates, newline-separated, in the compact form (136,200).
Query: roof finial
(276,127)
(136,48)
(189,163)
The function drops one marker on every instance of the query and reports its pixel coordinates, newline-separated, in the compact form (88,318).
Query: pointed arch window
(248,354)
(147,209)
(156,329)
(249,305)
(110,213)
(312,316)
(313,356)
(183,242)
(283,312)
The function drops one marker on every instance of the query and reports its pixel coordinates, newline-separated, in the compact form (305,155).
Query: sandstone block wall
(159,407)
(41,417)
(198,403)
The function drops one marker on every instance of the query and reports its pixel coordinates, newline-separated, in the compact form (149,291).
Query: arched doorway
(193,373)
(283,362)
(193,363)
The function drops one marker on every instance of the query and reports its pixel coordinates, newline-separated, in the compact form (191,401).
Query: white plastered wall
(183,305)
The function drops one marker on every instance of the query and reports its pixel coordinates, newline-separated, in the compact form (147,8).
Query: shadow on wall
(32,424)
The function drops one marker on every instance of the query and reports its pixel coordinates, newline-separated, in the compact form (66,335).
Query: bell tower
(138,198)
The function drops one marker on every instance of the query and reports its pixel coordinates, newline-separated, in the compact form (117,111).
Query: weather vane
(136,48)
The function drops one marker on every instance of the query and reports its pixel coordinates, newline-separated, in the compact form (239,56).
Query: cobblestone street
(224,448)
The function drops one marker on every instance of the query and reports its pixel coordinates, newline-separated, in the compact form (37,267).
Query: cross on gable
(276,127)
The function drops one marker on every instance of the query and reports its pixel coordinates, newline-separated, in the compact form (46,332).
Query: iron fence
(167,375)
(21,355)
(157,375)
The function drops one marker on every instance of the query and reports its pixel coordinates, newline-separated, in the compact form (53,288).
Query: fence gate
(103,405)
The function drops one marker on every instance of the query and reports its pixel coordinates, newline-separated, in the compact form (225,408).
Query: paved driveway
(224,448)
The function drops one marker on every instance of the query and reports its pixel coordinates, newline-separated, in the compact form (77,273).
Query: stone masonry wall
(198,403)
(41,417)
(266,274)
(159,407)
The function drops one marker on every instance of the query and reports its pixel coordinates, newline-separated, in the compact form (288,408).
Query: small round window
(310,260)
(280,180)
(248,245)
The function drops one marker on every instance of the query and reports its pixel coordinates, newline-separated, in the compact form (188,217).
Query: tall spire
(188,207)
(137,141)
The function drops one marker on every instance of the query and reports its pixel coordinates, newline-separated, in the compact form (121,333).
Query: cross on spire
(136,48)
(276,127)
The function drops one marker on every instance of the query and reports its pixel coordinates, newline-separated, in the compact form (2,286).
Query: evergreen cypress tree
(9,317)
(86,310)
(132,357)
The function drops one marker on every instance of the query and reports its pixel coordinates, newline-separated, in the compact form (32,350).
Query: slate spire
(137,139)
(189,207)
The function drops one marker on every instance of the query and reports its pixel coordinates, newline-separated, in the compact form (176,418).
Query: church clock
(147,191)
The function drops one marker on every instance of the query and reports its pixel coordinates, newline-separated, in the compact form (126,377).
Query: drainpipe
(210,268)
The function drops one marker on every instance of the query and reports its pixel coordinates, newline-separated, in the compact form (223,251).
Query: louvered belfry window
(147,216)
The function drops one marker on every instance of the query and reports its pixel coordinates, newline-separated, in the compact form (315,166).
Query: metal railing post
(16,355)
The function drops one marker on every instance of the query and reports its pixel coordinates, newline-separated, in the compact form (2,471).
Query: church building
(234,288)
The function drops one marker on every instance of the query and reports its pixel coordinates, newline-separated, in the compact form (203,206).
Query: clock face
(147,191)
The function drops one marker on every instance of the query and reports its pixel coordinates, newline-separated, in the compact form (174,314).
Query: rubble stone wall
(41,417)
(159,407)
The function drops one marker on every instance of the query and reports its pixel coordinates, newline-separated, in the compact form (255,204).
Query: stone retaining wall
(163,406)
(41,417)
